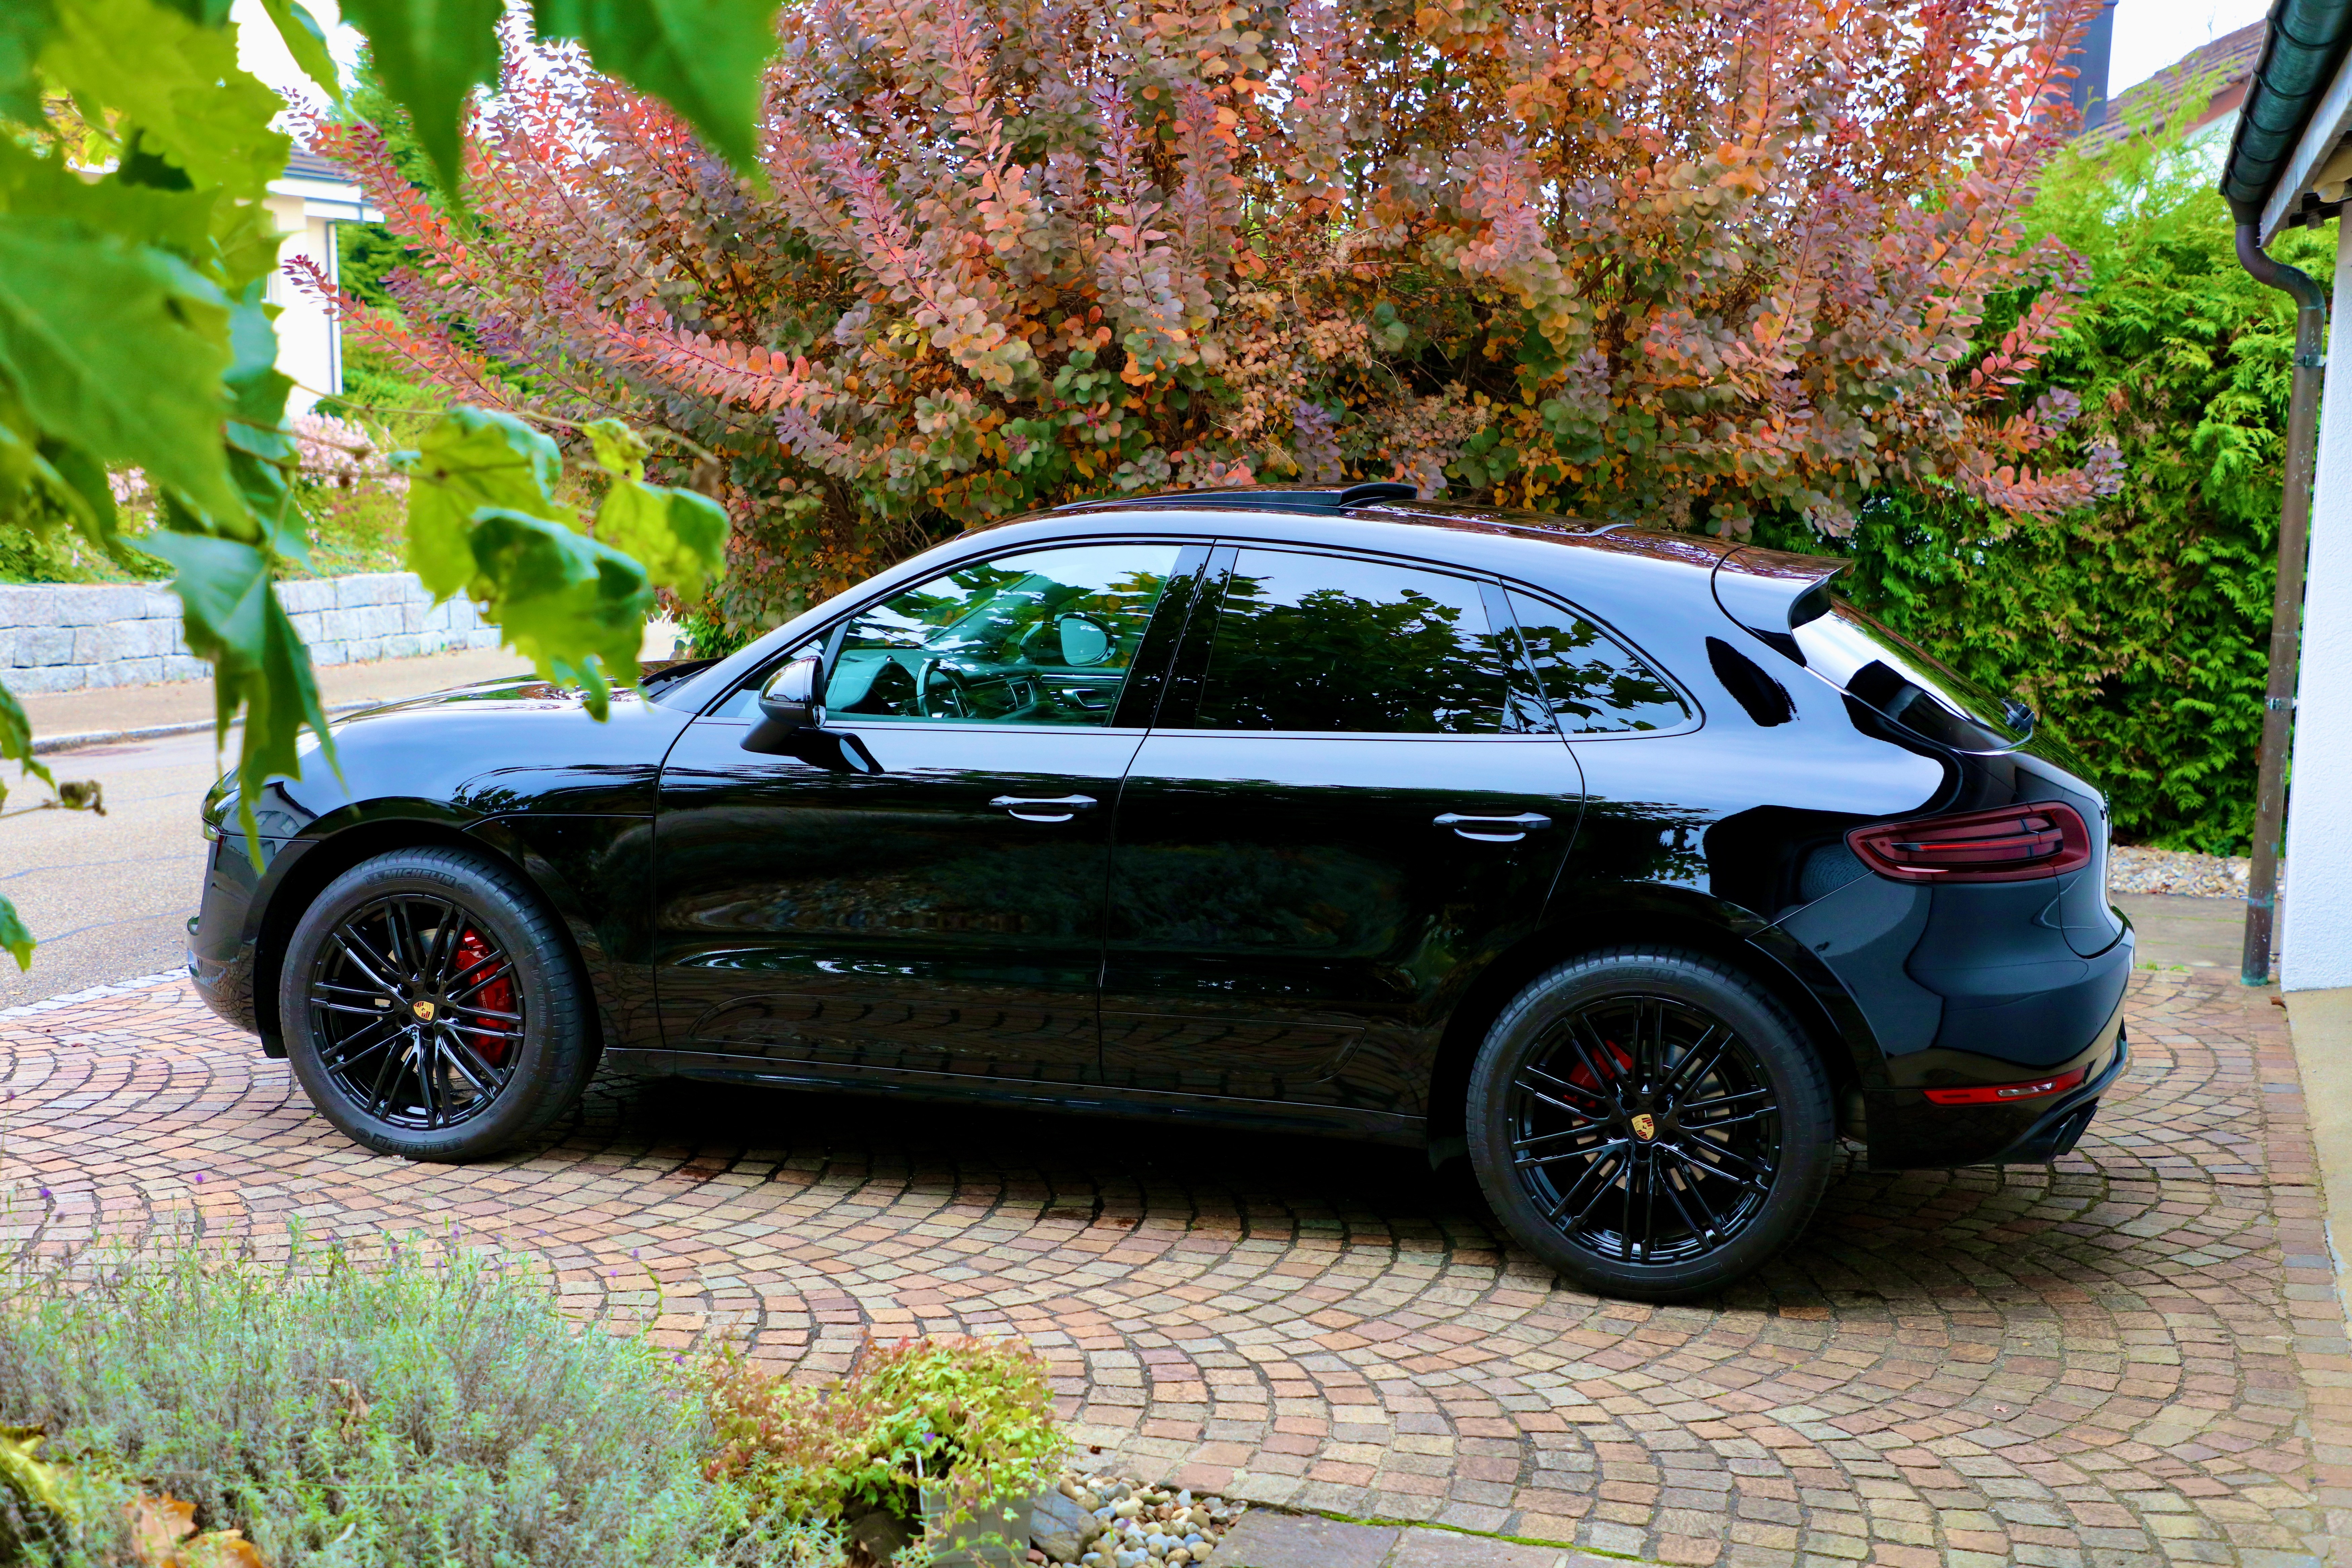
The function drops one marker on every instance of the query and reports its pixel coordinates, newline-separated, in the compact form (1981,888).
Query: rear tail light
(2010,845)
(2001,1093)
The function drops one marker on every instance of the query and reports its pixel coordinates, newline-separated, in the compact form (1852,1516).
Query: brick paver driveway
(2135,1357)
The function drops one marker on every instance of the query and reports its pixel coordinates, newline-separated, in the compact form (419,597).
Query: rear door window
(1337,644)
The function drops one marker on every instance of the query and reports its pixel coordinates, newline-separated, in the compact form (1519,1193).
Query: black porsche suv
(1638,866)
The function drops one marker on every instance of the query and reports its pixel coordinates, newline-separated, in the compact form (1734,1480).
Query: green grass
(401,1410)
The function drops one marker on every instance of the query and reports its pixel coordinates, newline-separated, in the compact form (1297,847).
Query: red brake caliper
(1582,1077)
(497,995)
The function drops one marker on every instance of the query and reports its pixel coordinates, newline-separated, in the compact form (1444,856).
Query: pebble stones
(1138,1526)
(2132,870)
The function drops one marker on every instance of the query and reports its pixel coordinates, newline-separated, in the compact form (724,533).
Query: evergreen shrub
(2138,627)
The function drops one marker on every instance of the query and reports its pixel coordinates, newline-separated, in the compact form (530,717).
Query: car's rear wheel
(1649,1122)
(432,1008)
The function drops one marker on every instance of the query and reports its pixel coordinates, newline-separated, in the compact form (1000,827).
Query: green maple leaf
(472,458)
(574,607)
(680,536)
(703,57)
(118,348)
(16,739)
(619,449)
(177,80)
(263,455)
(15,937)
(306,42)
(25,28)
(430,55)
(179,221)
(258,661)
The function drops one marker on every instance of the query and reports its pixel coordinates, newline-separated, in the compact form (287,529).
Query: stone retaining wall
(68,636)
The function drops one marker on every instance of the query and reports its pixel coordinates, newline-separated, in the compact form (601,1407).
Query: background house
(2220,68)
(308,201)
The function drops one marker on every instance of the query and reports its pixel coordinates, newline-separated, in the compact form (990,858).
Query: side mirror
(794,697)
(1084,640)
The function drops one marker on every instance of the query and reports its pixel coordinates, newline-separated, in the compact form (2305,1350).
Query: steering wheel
(942,693)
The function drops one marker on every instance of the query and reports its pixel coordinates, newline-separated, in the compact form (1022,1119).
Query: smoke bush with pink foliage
(1664,261)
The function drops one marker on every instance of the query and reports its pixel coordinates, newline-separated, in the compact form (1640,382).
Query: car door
(922,890)
(1354,794)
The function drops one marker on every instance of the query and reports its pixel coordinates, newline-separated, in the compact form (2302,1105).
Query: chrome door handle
(1060,808)
(1494,829)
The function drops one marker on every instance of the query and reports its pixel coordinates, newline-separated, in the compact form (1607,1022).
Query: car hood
(490,749)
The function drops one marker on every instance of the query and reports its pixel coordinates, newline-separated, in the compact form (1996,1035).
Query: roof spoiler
(1771,593)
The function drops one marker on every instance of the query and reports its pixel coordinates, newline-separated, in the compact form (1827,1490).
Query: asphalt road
(107,897)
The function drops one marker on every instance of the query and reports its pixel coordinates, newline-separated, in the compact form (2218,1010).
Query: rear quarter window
(1592,684)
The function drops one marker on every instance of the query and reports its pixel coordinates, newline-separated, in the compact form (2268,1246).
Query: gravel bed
(1134,1524)
(2176,871)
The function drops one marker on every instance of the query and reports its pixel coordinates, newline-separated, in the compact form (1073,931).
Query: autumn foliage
(1665,260)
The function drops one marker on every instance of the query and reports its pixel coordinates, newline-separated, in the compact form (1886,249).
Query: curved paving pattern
(2134,1357)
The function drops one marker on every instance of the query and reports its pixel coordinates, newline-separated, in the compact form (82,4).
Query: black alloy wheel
(1649,1122)
(432,1007)
(414,1012)
(1645,1130)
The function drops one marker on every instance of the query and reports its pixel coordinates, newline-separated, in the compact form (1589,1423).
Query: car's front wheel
(1649,1122)
(432,1008)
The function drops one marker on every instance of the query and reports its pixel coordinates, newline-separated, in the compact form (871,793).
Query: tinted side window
(1042,637)
(1593,686)
(1326,643)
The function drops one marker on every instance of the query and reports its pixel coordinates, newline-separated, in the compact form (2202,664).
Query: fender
(597,874)
(284,856)
(1650,911)
(1801,972)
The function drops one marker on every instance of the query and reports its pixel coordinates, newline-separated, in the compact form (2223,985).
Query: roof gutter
(2305,44)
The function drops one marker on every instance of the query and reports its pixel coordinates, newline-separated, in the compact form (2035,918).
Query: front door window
(1044,637)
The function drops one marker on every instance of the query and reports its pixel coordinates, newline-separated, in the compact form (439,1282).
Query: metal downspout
(2286,603)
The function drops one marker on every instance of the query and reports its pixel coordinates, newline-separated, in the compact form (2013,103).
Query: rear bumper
(1908,1131)
(2058,1128)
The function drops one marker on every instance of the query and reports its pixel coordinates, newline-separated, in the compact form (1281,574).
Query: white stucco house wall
(308,201)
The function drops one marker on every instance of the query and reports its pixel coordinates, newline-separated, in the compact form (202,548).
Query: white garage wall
(2317,911)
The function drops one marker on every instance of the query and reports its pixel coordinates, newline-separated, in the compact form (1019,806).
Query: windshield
(1903,682)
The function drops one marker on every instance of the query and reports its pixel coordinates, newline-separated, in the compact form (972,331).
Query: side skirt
(1191,1110)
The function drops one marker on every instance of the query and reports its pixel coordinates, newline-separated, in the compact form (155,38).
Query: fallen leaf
(217,1549)
(355,1408)
(158,1525)
(32,1480)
